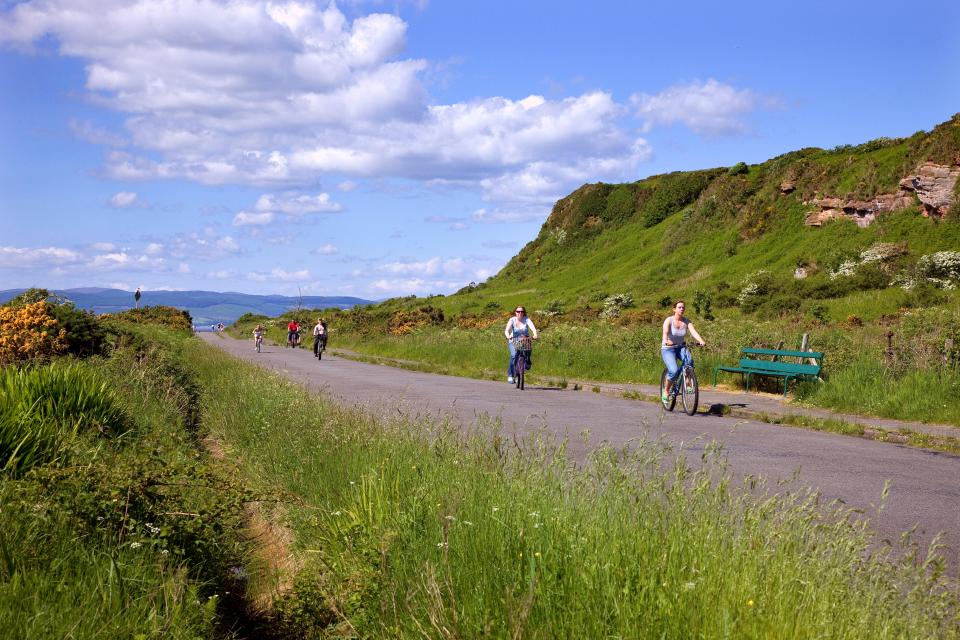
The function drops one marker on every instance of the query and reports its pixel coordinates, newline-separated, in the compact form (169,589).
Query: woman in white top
(319,338)
(518,325)
(673,346)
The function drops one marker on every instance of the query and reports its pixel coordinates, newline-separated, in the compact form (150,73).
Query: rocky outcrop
(932,184)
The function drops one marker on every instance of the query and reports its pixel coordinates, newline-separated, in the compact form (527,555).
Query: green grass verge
(407,528)
(121,529)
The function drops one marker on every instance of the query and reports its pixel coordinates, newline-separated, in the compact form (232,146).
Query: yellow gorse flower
(29,332)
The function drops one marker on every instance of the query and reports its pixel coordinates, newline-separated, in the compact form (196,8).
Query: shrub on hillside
(84,335)
(158,314)
(738,169)
(613,305)
(30,332)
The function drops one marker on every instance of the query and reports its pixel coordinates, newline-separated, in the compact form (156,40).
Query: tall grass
(42,408)
(407,528)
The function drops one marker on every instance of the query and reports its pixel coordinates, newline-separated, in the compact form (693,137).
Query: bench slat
(780,367)
(778,352)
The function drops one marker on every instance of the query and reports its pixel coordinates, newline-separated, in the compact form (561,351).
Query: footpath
(763,407)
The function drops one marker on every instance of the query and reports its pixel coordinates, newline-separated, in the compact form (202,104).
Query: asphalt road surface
(924,485)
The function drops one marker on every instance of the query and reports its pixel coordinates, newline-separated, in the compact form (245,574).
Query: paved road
(924,485)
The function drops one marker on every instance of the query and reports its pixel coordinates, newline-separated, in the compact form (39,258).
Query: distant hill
(205,307)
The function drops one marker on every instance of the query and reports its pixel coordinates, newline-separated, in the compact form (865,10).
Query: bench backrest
(750,351)
(780,367)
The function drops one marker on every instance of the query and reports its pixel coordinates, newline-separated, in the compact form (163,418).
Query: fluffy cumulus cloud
(707,108)
(325,250)
(318,94)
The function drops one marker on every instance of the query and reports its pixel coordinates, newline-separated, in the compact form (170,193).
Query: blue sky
(387,148)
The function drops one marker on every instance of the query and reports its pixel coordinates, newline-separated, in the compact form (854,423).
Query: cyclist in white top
(518,325)
(673,346)
(319,338)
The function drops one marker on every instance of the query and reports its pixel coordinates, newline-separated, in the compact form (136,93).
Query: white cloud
(433,266)
(153,249)
(707,108)
(245,218)
(125,261)
(325,250)
(280,275)
(13,257)
(518,214)
(318,94)
(418,286)
(347,185)
(124,199)
(103,246)
(222,274)
(297,204)
(208,245)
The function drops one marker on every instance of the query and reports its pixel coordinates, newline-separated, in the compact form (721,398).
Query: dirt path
(924,485)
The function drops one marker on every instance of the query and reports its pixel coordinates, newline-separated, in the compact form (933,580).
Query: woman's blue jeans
(670,357)
(513,359)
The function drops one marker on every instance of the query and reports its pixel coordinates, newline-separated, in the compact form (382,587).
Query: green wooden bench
(751,365)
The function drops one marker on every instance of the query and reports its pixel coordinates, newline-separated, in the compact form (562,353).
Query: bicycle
(294,340)
(319,347)
(522,346)
(259,341)
(686,386)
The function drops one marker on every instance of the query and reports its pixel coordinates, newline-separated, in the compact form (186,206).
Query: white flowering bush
(879,253)
(754,286)
(941,269)
(553,308)
(944,265)
(613,305)
(560,235)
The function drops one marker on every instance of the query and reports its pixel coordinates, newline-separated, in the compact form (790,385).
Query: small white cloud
(125,200)
(296,204)
(245,218)
(519,214)
(153,249)
(325,250)
(347,185)
(433,266)
(125,261)
(707,108)
(279,274)
(222,274)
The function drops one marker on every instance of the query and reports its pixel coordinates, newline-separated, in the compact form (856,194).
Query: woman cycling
(673,346)
(257,336)
(519,325)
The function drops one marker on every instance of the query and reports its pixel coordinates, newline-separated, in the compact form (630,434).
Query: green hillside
(679,233)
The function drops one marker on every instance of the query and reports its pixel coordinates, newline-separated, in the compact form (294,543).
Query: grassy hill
(710,230)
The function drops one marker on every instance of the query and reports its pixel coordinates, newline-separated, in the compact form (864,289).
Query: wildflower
(451,518)
(442,545)
(749,603)
(536,555)
(689,586)
(495,509)
(135,545)
(468,523)
(165,552)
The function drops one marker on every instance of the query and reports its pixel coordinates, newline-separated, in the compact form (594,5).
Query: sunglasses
(519,311)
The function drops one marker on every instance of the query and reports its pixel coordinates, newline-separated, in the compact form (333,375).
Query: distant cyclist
(673,346)
(293,333)
(519,325)
(257,336)
(319,337)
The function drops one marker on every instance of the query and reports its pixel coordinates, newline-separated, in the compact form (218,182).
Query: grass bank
(113,524)
(404,528)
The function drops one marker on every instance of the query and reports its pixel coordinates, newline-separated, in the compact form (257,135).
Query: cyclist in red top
(293,333)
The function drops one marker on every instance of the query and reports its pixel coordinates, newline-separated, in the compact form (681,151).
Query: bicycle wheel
(671,399)
(690,390)
(258,346)
(518,368)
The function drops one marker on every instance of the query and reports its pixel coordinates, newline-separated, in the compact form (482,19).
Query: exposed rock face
(932,184)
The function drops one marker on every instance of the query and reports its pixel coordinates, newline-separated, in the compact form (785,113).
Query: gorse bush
(29,332)
(159,314)
(42,408)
